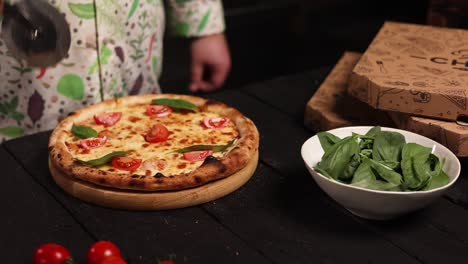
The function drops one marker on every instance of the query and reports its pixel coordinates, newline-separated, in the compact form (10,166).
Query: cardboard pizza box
(451,134)
(422,70)
(330,107)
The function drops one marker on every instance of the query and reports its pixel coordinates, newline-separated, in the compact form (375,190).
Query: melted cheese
(186,129)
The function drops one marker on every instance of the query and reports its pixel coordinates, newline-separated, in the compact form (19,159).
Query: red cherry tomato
(158,110)
(215,122)
(197,155)
(107,119)
(51,254)
(167,262)
(157,133)
(126,163)
(101,251)
(113,260)
(91,143)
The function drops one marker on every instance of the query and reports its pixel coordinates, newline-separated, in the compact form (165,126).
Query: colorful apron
(116,50)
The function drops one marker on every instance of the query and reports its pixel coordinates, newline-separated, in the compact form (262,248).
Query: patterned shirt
(116,50)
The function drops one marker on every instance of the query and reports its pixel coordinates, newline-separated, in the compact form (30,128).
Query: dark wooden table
(279,216)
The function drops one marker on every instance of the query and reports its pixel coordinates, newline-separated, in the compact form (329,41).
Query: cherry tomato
(101,251)
(215,122)
(197,155)
(158,110)
(157,133)
(107,119)
(95,142)
(126,163)
(51,253)
(167,262)
(113,260)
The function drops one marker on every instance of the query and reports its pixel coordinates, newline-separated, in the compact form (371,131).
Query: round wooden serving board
(135,200)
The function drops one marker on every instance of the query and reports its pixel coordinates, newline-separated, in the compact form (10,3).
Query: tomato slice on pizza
(108,119)
(215,122)
(157,133)
(91,143)
(197,155)
(126,163)
(158,110)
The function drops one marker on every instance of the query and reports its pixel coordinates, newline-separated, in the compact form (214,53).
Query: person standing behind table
(116,50)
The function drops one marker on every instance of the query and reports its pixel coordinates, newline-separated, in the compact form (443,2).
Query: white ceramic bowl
(372,204)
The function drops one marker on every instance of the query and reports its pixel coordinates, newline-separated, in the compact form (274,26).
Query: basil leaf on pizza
(214,148)
(102,160)
(83,132)
(175,103)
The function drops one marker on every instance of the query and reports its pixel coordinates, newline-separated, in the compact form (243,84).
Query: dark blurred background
(271,38)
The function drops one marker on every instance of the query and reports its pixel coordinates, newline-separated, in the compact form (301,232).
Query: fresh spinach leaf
(414,158)
(367,140)
(83,132)
(327,140)
(437,181)
(319,170)
(366,178)
(175,103)
(394,165)
(214,148)
(383,171)
(428,170)
(366,152)
(419,166)
(366,143)
(351,168)
(102,160)
(336,159)
(363,172)
(388,146)
(373,132)
(377,185)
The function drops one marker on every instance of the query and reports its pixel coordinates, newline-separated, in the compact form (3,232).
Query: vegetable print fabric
(116,50)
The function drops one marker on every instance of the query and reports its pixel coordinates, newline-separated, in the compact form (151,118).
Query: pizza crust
(138,200)
(212,169)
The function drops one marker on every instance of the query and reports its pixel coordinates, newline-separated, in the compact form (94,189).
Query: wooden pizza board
(135,200)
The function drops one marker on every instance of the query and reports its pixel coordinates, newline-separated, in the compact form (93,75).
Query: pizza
(162,142)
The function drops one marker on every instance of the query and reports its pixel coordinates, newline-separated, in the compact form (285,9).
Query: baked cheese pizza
(153,142)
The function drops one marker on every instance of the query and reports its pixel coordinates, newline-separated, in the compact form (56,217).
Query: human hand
(210,64)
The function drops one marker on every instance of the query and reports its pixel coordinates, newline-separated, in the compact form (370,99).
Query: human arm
(203,22)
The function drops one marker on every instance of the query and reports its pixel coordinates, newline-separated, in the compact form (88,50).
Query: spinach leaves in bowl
(380,160)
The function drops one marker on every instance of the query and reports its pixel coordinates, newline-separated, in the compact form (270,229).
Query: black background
(268,38)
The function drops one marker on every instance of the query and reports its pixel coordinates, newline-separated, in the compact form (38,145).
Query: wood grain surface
(30,217)
(278,216)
